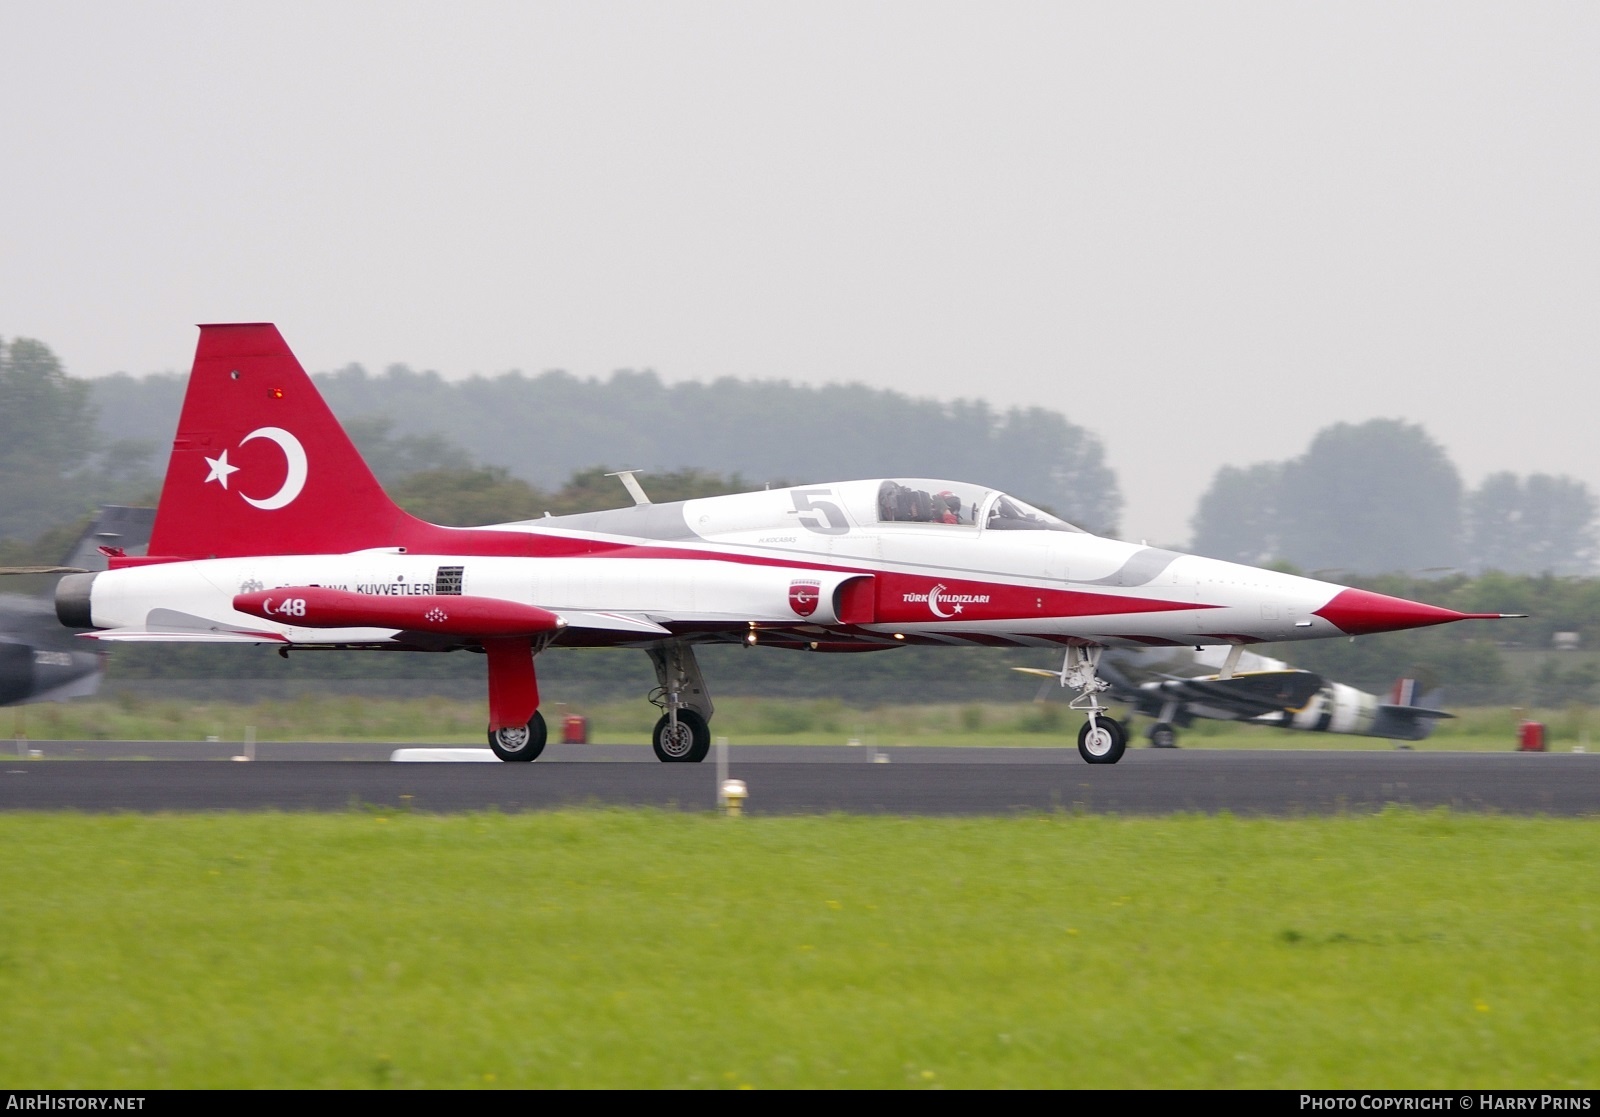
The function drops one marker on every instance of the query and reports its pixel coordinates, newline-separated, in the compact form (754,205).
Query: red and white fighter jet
(272,530)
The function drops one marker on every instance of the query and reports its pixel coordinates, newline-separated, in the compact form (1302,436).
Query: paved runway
(807,779)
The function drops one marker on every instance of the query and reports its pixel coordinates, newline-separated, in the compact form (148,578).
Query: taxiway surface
(801,779)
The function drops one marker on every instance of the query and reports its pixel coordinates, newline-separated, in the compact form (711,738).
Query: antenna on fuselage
(631,483)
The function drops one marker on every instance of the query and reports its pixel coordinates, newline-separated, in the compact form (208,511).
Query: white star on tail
(220,469)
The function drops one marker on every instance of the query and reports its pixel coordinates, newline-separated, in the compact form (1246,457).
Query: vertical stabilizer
(260,466)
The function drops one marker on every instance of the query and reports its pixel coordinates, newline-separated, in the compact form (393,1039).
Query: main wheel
(519,742)
(1163,736)
(688,745)
(1102,743)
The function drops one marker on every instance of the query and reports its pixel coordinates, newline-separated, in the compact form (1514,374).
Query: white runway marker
(456,756)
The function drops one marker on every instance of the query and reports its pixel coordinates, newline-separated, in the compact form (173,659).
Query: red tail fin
(260,466)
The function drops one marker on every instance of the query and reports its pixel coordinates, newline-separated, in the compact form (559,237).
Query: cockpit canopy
(921,501)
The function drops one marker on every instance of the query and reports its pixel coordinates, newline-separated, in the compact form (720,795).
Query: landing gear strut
(1102,740)
(516,727)
(683,735)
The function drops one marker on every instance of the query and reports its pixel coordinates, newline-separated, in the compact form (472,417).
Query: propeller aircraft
(1175,686)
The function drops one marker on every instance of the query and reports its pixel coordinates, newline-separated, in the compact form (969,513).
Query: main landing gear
(516,727)
(517,730)
(1102,740)
(519,742)
(683,735)
(1162,735)
(684,738)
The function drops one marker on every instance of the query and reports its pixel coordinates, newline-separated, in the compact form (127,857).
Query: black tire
(519,743)
(1163,736)
(692,743)
(1107,745)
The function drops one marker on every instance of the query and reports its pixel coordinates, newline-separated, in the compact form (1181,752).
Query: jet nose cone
(1359,612)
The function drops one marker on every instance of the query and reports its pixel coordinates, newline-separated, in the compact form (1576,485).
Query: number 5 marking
(836,523)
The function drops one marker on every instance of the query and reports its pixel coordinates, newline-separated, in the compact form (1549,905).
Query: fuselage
(836,566)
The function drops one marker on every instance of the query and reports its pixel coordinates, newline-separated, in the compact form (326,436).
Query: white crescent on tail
(296,456)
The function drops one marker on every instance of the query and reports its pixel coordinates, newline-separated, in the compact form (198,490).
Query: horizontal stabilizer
(183,636)
(1405,723)
(1418,711)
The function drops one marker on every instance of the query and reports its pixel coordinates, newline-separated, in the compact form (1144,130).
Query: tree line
(1368,498)
(544,429)
(54,462)
(1381,497)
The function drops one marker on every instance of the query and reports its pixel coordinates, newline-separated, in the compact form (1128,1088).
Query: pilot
(886,501)
(948,507)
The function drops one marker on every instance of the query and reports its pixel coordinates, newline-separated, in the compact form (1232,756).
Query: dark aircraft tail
(1408,715)
(118,528)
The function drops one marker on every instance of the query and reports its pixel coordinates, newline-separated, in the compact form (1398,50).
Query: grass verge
(611,948)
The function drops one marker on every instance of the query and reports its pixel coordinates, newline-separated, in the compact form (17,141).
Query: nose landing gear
(1102,740)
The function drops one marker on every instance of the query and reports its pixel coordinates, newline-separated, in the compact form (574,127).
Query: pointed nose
(1358,612)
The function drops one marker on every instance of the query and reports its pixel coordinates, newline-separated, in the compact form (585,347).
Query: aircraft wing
(632,623)
(171,626)
(1247,695)
(1244,696)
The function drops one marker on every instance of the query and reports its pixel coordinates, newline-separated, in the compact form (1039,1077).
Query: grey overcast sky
(1203,231)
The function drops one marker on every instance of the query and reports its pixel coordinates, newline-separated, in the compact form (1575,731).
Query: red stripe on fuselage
(908,598)
(899,597)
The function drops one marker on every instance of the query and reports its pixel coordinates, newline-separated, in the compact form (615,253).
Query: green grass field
(745,721)
(611,948)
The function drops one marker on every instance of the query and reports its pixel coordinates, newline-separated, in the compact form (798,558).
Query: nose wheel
(1102,740)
